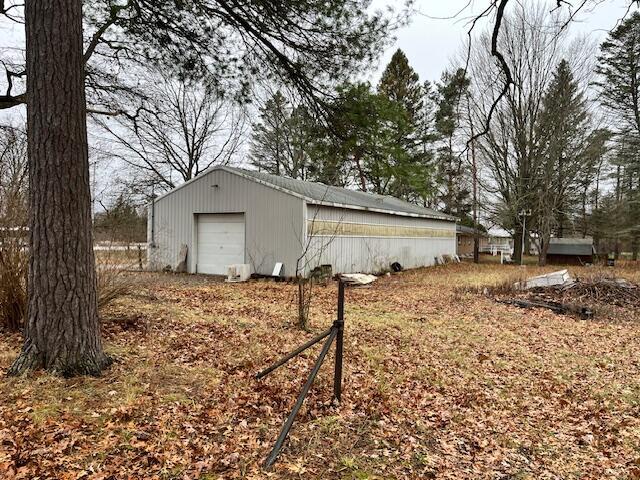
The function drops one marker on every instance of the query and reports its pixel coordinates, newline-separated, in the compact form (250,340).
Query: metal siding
(273,221)
(372,254)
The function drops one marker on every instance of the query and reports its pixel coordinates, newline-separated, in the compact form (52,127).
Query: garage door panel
(220,242)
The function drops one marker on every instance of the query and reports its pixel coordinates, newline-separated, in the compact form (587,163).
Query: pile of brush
(604,290)
(561,293)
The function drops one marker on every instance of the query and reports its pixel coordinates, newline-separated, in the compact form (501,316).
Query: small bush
(14,264)
(113,283)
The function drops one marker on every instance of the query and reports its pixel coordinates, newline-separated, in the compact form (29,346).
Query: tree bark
(62,331)
(517,245)
(544,248)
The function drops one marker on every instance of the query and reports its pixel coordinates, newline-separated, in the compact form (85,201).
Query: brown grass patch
(439,383)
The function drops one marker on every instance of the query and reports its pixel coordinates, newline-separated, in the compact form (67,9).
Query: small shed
(465,237)
(230,215)
(570,251)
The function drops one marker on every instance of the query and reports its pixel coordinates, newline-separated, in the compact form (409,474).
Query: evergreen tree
(400,83)
(413,164)
(280,141)
(121,222)
(562,131)
(619,85)
(588,182)
(619,71)
(451,171)
(362,144)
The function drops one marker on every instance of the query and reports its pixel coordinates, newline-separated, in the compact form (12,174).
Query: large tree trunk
(517,245)
(62,331)
(543,249)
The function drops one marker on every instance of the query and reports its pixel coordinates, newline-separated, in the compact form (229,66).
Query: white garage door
(220,242)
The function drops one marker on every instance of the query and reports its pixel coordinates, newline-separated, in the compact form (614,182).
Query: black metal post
(339,324)
(289,356)
(287,425)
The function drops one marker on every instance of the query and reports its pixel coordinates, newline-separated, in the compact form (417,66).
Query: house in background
(230,216)
(496,241)
(465,237)
(570,251)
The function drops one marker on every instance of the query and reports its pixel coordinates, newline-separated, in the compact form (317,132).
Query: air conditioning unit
(240,272)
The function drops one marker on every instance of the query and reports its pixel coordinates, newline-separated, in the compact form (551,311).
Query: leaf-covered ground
(439,382)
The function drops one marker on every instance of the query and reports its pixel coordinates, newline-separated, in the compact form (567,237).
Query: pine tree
(280,141)
(619,70)
(362,140)
(412,164)
(268,145)
(619,85)
(562,133)
(400,83)
(451,171)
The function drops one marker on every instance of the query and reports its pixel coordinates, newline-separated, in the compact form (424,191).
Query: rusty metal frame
(336,332)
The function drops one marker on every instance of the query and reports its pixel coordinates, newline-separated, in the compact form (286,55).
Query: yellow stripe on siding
(343,229)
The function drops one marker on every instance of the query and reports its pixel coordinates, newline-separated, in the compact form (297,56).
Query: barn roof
(570,246)
(319,193)
(464,230)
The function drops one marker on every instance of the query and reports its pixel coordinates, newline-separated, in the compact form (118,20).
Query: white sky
(430,43)
(431,39)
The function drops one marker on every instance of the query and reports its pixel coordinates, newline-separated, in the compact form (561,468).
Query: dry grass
(114,283)
(439,383)
(14,264)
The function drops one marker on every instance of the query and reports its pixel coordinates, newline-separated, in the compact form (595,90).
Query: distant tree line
(560,154)
(402,138)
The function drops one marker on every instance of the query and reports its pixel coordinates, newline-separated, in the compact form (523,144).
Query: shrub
(13,283)
(113,283)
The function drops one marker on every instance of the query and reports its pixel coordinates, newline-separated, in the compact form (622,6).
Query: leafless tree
(179,129)
(497,11)
(314,243)
(532,42)
(13,222)
(13,176)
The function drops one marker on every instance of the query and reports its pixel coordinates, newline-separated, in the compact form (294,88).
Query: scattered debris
(238,273)
(562,293)
(357,278)
(610,291)
(560,278)
(445,259)
(582,310)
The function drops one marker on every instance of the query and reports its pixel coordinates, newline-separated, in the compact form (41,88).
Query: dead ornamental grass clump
(113,283)
(14,264)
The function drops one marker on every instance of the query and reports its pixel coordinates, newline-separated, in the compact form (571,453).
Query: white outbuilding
(230,216)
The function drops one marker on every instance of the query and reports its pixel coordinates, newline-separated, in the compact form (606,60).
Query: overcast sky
(433,37)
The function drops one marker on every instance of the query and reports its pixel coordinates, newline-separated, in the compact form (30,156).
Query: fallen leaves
(438,383)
